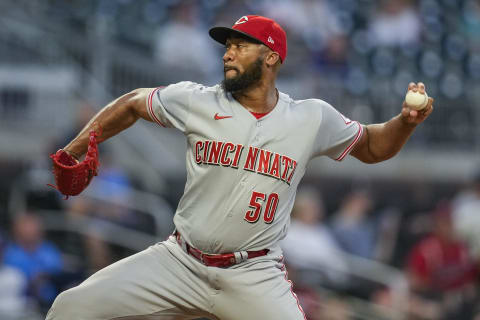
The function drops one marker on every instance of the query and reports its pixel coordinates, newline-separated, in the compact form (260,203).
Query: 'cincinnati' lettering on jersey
(261,161)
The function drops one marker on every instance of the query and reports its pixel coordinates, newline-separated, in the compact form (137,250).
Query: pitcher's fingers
(405,110)
(429,111)
(421,87)
(430,101)
(412,86)
(429,108)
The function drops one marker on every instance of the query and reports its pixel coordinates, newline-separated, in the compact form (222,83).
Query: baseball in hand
(416,100)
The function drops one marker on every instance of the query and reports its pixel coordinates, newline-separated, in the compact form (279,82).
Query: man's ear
(272,59)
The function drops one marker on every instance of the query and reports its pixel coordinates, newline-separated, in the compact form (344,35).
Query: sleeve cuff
(150,111)
(353,143)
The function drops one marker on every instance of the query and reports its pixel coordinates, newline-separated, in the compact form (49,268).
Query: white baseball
(416,100)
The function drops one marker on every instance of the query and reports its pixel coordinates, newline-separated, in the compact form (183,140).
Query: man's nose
(228,55)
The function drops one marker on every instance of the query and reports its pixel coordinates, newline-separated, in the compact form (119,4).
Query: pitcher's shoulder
(313,105)
(190,85)
(204,90)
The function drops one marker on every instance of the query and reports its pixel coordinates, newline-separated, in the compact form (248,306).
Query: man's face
(243,64)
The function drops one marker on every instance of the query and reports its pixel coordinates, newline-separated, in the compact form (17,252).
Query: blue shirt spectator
(45,259)
(36,258)
(353,228)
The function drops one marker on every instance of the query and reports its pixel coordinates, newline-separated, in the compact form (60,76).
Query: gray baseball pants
(163,282)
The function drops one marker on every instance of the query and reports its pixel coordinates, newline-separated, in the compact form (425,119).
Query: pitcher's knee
(67,305)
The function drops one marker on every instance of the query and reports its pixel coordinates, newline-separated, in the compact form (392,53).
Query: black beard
(246,80)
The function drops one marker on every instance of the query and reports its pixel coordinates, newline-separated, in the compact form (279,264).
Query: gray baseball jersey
(243,172)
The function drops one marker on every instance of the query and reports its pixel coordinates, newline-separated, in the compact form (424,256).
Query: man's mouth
(227,68)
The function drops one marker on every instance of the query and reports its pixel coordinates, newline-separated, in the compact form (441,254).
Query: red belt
(224,260)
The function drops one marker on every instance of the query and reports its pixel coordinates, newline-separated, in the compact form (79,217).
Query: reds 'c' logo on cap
(242,20)
(262,29)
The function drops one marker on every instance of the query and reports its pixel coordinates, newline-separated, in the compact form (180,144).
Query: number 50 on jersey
(257,203)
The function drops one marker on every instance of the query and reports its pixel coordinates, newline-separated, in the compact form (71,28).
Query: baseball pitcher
(248,147)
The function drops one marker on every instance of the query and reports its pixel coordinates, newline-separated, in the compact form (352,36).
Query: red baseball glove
(71,176)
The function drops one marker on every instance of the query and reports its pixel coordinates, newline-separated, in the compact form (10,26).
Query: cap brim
(221,34)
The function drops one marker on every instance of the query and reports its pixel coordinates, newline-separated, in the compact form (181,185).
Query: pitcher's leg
(261,291)
(153,284)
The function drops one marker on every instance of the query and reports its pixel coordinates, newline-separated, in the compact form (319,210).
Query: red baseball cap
(258,28)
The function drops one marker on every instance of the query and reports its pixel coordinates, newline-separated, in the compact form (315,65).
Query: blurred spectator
(353,228)
(471,23)
(442,275)
(104,205)
(312,20)
(308,296)
(466,217)
(97,253)
(335,309)
(388,231)
(231,10)
(396,23)
(113,186)
(38,259)
(415,221)
(183,45)
(114,194)
(309,245)
(13,285)
(333,60)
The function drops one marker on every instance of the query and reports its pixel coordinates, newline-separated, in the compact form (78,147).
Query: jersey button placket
(258,131)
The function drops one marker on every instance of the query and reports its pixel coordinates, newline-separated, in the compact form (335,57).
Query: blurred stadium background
(397,240)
